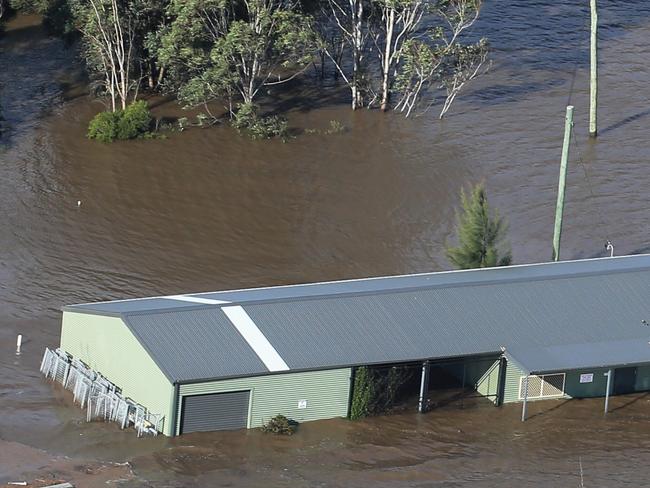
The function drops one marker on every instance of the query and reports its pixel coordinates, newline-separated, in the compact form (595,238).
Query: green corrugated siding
(327,394)
(488,384)
(511,384)
(107,345)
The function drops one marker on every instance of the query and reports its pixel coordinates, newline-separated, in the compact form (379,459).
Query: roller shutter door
(215,411)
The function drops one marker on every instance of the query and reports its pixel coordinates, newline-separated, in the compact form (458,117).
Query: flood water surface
(206,209)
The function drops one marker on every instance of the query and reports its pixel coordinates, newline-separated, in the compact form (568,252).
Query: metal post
(593,94)
(462,394)
(424,387)
(559,208)
(609,382)
(523,408)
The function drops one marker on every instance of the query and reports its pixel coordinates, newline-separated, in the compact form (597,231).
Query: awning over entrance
(566,357)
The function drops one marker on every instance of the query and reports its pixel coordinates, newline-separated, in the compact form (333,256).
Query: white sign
(587,378)
(302,403)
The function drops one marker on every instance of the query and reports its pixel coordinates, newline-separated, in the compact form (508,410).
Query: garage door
(216,411)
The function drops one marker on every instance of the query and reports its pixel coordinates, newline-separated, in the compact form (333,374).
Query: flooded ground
(207,209)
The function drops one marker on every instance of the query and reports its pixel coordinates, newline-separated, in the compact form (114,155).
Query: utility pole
(559,208)
(593,92)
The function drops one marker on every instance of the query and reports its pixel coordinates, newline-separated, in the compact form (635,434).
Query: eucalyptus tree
(108,29)
(231,50)
(437,58)
(351,19)
(419,46)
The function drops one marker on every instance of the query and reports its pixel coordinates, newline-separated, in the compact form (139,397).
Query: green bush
(103,126)
(135,121)
(249,121)
(131,123)
(280,425)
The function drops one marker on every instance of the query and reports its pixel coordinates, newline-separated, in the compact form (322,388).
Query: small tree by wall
(480,233)
(362,393)
(376,389)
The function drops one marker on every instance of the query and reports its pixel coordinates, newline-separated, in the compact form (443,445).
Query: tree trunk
(386,61)
(357,53)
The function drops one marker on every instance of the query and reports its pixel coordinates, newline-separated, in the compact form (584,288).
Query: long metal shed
(232,359)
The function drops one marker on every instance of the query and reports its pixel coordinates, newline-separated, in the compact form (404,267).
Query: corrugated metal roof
(198,343)
(381,320)
(565,357)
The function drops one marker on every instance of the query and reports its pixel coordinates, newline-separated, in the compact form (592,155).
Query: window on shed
(543,386)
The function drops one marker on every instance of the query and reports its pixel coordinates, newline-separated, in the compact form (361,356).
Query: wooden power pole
(559,208)
(593,92)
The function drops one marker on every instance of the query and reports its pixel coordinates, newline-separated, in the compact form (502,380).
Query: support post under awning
(523,407)
(424,387)
(609,382)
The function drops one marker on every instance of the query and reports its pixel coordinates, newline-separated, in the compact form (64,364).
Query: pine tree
(479,234)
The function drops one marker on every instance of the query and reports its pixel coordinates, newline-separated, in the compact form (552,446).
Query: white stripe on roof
(256,340)
(184,298)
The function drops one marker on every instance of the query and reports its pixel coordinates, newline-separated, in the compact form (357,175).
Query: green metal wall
(572,386)
(642,378)
(327,394)
(511,384)
(107,345)
(487,384)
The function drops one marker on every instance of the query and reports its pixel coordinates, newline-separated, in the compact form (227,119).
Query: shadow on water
(625,121)
(557,43)
(560,405)
(634,400)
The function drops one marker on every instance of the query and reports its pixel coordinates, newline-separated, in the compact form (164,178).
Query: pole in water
(559,208)
(609,380)
(593,91)
(19,343)
(523,407)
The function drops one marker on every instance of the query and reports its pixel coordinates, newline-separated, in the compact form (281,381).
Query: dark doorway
(624,380)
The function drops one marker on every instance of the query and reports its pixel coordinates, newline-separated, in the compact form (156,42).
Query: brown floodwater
(206,209)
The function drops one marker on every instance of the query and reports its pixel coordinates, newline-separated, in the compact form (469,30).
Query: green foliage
(247,120)
(335,127)
(362,394)
(131,123)
(103,126)
(479,234)
(375,390)
(280,425)
(226,50)
(135,120)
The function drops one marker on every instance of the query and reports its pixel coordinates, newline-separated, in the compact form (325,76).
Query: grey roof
(565,357)
(203,345)
(548,316)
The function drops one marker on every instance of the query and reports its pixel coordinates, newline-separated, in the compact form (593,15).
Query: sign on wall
(587,378)
(302,403)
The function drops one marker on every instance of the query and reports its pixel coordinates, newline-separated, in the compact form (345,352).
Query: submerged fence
(101,398)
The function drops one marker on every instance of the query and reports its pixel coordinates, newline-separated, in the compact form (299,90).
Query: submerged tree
(419,44)
(350,19)
(479,234)
(108,28)
(439,59)
(231,50)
